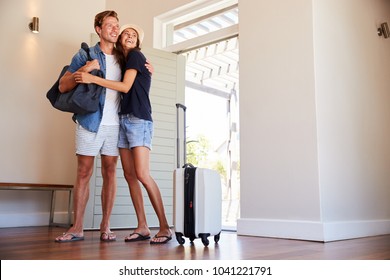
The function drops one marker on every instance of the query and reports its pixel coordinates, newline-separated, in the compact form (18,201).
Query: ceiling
(214,66)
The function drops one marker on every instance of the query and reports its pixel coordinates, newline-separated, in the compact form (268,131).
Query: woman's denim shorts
(135,132)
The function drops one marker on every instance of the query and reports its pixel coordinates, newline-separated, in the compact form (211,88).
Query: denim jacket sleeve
(78,61)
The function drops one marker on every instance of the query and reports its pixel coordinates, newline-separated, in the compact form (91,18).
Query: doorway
(211,97)
(208,39)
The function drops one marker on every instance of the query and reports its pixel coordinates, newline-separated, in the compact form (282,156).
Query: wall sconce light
(383,30)
(34,25)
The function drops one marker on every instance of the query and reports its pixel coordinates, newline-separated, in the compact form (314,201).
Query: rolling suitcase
(197,198)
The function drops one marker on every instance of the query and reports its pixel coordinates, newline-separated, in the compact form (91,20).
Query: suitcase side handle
(178,105)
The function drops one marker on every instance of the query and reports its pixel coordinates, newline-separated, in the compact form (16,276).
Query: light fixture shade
(34,25)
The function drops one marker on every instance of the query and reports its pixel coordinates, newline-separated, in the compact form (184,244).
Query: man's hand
(83,77)
(90,65)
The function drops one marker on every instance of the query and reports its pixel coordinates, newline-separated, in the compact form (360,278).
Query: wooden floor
(37,243)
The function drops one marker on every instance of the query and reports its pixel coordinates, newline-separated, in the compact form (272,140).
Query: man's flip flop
(72,239)
(167,238)
(139,237)
(107,236)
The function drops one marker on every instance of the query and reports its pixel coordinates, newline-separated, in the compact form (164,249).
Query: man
(96,133)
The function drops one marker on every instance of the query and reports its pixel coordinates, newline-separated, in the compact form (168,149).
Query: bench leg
(52,208)
(53,203)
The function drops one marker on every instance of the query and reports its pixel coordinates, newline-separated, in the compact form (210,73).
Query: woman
(136,131)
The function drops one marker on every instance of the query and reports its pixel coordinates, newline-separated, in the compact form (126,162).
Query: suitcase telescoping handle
(178,107)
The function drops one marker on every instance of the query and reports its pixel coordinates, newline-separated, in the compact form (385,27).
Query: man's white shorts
(104,142)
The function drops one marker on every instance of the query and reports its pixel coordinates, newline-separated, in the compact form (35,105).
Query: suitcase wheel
(216,237)
(205,241)
(204,237)
(179,238)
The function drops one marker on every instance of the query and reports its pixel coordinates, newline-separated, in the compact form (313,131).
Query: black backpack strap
(85,47)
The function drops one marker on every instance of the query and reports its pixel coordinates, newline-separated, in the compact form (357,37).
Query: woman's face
(129,39)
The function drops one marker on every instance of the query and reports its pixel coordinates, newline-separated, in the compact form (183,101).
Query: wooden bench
(46,187)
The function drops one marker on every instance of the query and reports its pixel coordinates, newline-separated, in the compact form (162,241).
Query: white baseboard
(31,219)
(355,229)
(281,229)
(312,231)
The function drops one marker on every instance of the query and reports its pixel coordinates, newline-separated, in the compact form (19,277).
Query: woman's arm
(124,86)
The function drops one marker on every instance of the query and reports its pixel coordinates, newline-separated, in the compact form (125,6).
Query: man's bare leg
(80,197)
(108,195)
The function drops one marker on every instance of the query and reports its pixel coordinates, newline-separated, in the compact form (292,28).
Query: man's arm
(149,66)
(67,81)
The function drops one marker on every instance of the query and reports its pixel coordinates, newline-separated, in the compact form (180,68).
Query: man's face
(110,30)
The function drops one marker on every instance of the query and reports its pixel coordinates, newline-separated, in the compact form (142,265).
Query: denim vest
(90,122)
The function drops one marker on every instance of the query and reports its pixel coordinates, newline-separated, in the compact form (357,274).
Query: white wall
(279,162)
(352,66)
(315,128)
(37,141)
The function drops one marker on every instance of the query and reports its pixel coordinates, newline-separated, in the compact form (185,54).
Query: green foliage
(200,154)
(197,151)
(219,166)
